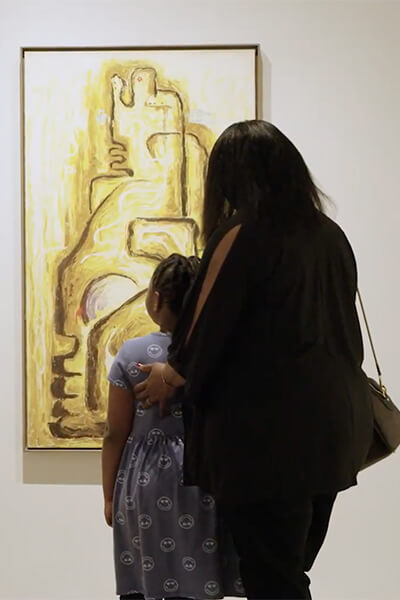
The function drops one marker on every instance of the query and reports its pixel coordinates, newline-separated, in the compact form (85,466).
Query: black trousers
(277,542)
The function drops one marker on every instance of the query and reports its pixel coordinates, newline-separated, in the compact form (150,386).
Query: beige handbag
(386,436)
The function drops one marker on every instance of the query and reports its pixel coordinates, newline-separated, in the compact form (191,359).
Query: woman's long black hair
(255,168)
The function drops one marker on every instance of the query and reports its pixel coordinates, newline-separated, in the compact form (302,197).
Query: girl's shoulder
(145,348)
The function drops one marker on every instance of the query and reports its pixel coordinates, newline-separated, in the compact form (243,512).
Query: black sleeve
(220,315)
(177,355)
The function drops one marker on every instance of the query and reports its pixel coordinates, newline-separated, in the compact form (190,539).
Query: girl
(165,535)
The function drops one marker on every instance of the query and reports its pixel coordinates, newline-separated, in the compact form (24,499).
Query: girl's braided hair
(173,278)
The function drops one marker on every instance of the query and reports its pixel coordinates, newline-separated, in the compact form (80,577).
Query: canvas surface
(115,150)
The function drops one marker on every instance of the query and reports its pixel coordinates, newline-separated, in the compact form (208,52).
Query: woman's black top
(276,401)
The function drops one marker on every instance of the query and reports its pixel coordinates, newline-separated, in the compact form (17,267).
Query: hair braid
(173,278)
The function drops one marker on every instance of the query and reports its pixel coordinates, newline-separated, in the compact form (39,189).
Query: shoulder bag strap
(378,369)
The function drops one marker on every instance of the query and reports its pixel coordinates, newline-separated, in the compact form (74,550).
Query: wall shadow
(64,467)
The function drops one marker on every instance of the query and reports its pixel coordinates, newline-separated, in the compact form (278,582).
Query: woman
(269,349)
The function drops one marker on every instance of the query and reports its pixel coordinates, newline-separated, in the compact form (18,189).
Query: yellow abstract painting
(115,149)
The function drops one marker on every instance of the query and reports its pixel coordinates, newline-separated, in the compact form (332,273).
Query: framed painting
(115,148)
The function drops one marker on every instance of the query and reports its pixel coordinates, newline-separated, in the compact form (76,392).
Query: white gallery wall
(331,81)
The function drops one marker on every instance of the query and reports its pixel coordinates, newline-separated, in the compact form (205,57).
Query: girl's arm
(120,416)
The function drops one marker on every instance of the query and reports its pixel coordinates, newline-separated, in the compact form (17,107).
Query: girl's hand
(154,390)
(108,512)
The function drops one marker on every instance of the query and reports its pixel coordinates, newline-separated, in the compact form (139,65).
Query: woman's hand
(154,390)
(108,512)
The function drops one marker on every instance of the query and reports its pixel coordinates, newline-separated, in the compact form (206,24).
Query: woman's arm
(159,387)
(121,410)
(172,377)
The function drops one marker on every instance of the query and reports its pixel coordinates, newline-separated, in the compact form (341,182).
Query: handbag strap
(378,369)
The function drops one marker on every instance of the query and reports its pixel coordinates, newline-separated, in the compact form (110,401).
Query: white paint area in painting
(202,117)
(207,75)
(103,297)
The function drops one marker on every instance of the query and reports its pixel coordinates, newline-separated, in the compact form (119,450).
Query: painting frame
(254,48)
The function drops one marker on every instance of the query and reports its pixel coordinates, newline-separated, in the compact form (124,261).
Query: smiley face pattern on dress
(168,544)
(133,370)
(126,558)
(155,435)
(209,545)
(186,521)
(207,502)
(144,479)
(164,462)
(171,586)
(212,588)
(120,518)
(239,587)
(148,563)
(130,503)
(189,563)
(165,534)
(164,503)
(154,351)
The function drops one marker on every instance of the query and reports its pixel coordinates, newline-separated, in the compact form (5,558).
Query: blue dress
(168,541)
